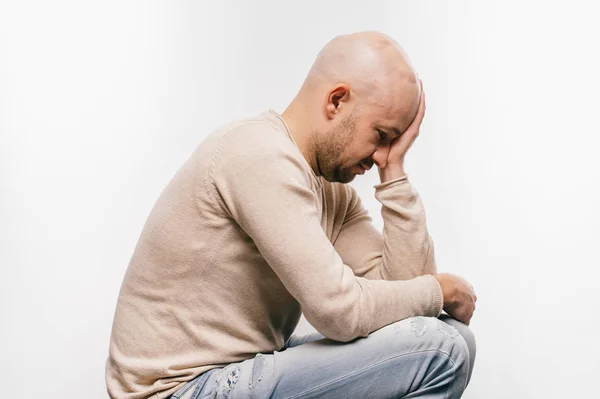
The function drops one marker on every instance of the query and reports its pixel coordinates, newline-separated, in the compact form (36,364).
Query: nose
(380,156)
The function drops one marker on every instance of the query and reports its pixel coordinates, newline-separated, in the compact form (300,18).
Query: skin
(360,105)
(360,95)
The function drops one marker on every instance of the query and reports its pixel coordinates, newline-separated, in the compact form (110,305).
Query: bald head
(368,62)
(360,89)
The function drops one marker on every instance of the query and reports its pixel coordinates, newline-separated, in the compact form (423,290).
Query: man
(258,227)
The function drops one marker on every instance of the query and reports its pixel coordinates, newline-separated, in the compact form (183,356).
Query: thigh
(394,361)
(296,340)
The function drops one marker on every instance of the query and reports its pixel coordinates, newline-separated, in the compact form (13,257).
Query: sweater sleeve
(264,184)
(404,251)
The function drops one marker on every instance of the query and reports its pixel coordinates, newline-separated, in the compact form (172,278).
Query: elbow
(338,324)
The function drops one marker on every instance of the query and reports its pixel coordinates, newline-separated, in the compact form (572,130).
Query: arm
(264,186)
(404,251)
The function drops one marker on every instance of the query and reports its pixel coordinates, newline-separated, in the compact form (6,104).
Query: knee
(468,336)
(445,353)
(430,333)
(465,331)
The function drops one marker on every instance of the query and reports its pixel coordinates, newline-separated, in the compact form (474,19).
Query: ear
(336,98)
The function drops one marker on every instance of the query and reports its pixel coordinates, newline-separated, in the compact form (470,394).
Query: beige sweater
(242,240)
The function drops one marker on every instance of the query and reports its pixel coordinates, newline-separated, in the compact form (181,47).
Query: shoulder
(258,151)
(253,140)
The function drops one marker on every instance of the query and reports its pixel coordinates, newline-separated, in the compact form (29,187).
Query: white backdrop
(100,103)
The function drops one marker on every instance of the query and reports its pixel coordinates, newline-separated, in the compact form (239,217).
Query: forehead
(396,108)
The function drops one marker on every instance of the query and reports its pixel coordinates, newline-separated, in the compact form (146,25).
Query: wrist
(391,172)
(441,279)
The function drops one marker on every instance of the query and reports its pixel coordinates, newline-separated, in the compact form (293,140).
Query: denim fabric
(192,389)
(419,357)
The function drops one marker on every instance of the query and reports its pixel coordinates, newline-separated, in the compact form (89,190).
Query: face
(361,140)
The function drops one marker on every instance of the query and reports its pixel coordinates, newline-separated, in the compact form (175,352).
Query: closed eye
(382,135)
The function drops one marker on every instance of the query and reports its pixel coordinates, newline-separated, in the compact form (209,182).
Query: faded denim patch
(230,381)
(419,325)
(447,329)
(258,368)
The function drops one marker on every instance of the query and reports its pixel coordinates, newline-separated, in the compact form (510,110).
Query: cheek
(355,157)
(365,150)
(359,146)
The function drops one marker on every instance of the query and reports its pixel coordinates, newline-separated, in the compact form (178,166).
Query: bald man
(259,226)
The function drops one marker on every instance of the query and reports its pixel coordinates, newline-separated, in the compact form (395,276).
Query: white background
(100,103)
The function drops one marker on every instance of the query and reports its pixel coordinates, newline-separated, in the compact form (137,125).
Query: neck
(300,127)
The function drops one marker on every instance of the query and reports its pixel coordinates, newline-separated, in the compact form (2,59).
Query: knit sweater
(242,241)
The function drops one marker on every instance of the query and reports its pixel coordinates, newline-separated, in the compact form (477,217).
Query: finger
(422,96)
(416,123)
(472,290)
(413,128)
(420,112)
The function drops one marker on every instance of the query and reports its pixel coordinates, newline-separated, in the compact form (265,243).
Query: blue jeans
(419,357)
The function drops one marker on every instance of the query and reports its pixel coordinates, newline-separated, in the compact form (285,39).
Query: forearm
(391,172)
(408,249)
